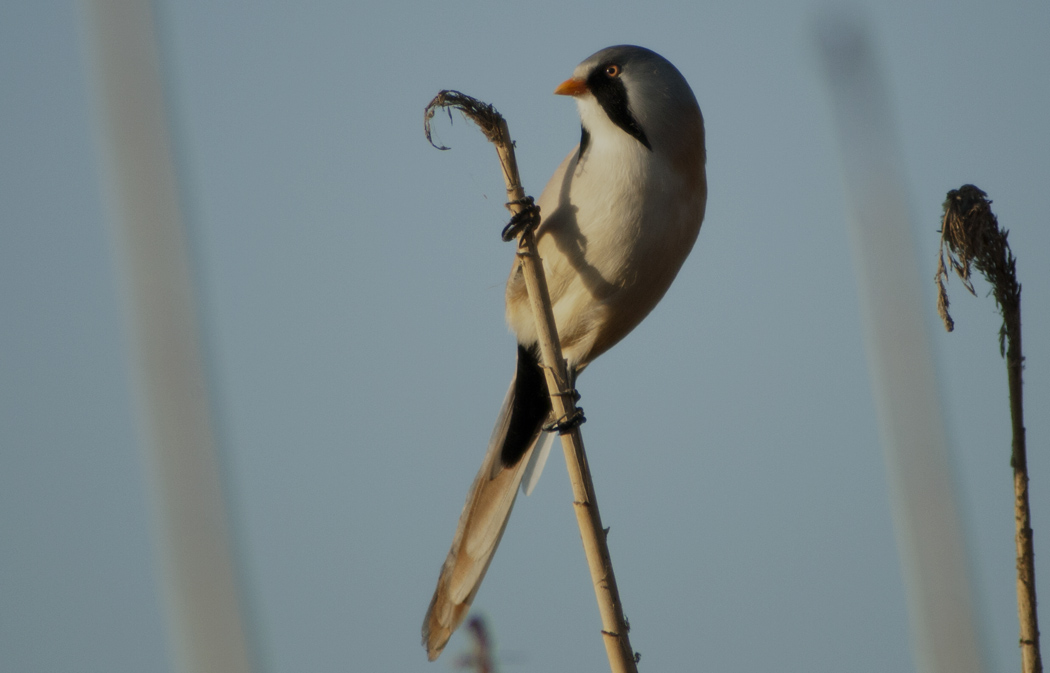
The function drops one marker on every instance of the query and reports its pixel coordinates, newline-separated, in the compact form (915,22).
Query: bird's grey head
(637,90)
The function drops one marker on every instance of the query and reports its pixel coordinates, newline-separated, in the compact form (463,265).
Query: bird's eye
(612,70)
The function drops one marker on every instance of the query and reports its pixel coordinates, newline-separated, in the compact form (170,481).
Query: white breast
(613,236)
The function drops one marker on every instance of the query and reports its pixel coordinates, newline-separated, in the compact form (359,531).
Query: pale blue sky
(350,286)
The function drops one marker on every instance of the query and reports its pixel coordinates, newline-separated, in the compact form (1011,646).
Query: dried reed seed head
(488,119)
(968,229)
(970,235)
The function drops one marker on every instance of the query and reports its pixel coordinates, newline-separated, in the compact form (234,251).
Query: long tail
(489,502)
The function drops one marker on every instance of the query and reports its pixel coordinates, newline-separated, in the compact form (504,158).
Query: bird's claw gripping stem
(526,218)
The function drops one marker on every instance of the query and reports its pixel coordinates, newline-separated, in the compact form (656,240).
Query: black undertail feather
(531,407)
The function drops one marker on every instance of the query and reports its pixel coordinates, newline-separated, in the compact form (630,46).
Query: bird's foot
(527,218)
(574,394)
(566,423)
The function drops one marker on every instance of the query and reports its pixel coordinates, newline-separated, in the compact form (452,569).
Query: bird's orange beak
(572,87)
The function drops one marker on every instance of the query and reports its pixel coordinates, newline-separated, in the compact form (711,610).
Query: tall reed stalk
(971,239)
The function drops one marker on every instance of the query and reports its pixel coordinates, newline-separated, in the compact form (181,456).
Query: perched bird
(618,218)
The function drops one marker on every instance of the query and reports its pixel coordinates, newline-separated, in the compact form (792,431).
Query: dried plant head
(971,238)
(481,660)
(488,119)
(966,213)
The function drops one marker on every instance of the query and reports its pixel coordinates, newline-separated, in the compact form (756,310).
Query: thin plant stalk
(196,567)
(622,658)
(971,237)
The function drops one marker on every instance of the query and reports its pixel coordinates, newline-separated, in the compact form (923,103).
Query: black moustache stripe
(612,96)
